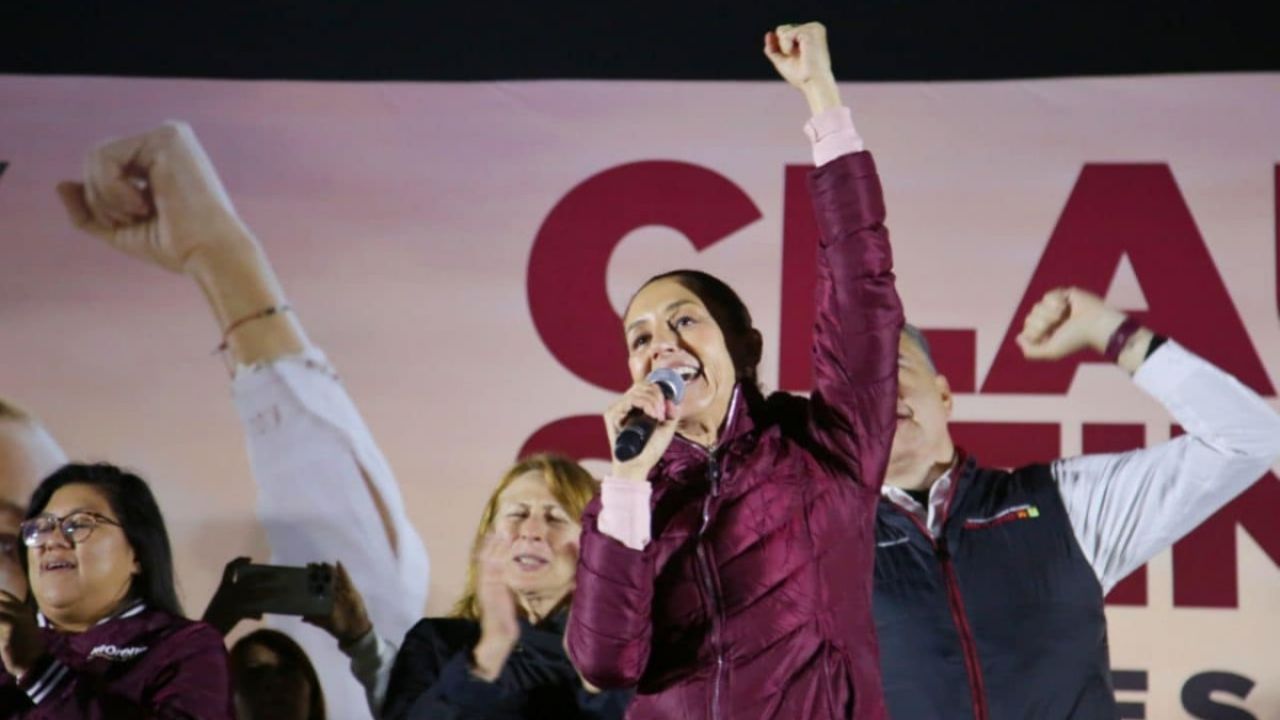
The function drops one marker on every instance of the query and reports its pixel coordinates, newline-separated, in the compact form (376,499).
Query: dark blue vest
(1002,617)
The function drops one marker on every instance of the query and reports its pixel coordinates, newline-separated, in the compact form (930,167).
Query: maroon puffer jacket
(754,598)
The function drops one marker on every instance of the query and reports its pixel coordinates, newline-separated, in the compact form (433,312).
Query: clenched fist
(799,54)
(155,196)
(1067,320)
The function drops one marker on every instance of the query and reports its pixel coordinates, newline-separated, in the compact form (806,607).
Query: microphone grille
(671,383)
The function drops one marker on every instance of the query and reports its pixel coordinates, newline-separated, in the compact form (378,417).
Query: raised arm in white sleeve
(326,493)
(1127,507)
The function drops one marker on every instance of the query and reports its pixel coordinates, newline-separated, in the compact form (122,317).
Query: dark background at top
(470,40)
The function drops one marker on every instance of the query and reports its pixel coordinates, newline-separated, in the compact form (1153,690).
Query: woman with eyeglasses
(102,634)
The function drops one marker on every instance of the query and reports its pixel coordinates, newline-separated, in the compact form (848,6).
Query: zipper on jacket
(708,580)
(972,666)
(704,563)
(961,619)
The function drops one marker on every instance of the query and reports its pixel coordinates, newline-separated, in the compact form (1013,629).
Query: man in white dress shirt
(989,584)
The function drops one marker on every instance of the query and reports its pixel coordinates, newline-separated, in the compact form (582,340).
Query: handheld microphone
(637,428)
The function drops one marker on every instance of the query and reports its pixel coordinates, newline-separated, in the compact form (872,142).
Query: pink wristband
(1120,338)
(624,511)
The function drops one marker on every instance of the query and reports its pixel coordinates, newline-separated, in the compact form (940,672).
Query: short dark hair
(917,337)
(292,657)
(135,507)
(730,313)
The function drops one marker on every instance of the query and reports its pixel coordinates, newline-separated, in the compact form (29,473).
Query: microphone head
(629,442)
(670,382)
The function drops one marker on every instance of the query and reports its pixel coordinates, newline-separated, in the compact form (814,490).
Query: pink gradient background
(400,219)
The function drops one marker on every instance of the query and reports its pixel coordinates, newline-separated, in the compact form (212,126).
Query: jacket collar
(556,622)
(738,423)
(127,609)
(944,495)
(121,636)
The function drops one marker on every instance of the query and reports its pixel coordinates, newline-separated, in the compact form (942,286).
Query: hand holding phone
(250,591)
(349,620)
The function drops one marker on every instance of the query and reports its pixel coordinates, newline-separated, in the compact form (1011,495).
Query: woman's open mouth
(688,373)
(530,562)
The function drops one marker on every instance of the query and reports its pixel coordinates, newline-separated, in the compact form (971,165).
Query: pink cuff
(624,511)
(832,134)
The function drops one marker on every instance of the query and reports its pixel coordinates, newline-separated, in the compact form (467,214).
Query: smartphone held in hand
(284,590)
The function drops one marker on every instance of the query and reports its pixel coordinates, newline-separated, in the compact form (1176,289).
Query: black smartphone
(285,590)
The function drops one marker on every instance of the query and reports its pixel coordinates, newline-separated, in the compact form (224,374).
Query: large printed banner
(462,251)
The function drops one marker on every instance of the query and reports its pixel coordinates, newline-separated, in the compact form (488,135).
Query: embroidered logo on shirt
(1010,514)
(117,654)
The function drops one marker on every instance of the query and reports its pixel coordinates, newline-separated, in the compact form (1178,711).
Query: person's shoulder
(176,630)
(1039,472)
(780,400)
(451,632)
(781,406)
(1000,482)
(163,619)
(151,636)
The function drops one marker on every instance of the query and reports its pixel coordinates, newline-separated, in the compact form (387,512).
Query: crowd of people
(764,556)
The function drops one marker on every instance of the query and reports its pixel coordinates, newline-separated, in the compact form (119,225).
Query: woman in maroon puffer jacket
(726,571)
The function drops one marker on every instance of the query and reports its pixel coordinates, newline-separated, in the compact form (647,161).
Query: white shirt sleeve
(1127,507)
(372,658)
(323,489)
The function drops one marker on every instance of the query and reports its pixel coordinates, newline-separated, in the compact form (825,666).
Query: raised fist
(155,196)
(1067,320)
(799,54)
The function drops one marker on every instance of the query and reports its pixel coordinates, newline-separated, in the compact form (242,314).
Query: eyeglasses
(76,527)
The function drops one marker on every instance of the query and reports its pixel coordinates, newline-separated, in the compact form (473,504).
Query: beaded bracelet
(264,313)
